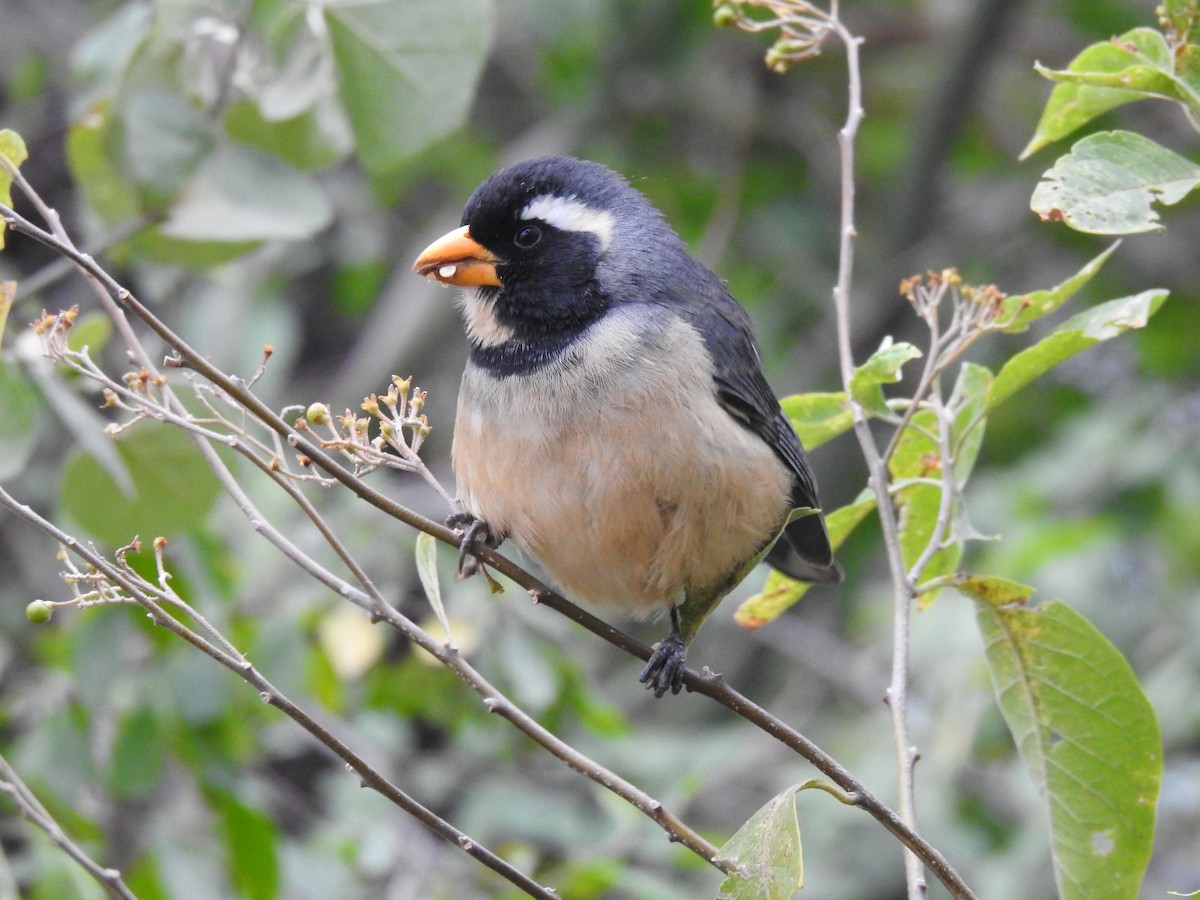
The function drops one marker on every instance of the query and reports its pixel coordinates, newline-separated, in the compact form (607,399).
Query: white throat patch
(480,317)
(571,214)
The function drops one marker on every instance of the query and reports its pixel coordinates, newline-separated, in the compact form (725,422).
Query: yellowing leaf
(1089,737)
(12,154)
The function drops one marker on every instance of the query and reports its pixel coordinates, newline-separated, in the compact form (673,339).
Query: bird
(613,418)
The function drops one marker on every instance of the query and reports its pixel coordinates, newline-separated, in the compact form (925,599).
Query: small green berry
(725,15)
(38,612)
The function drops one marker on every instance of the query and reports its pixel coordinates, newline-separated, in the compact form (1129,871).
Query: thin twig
(32,809)
(135,588)
(947,487)
(243,396)
(897,692)
(376,605)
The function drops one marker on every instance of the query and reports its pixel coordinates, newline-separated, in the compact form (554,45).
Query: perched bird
(613,420)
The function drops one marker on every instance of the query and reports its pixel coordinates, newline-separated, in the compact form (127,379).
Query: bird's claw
(664,671)
(473,530)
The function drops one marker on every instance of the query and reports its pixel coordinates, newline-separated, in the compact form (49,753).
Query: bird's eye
(527,236)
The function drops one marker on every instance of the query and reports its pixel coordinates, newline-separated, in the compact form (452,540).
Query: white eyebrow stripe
(571,214)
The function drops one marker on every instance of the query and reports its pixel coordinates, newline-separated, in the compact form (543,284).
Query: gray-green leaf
(239,194)
(767,852)
(407,70)
(1109,182)
(426,555)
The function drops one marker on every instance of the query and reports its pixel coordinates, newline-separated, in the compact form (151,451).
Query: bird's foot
(664,671)
(473,530)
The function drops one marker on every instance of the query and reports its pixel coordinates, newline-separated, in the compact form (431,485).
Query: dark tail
(803,552)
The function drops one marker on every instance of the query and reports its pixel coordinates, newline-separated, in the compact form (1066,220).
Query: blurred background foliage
(254,173)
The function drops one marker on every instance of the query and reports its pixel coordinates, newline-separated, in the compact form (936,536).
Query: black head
(550,244)
(551,223)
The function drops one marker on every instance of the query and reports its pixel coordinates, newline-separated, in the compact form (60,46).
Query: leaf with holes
(1110,181)
(1089,737)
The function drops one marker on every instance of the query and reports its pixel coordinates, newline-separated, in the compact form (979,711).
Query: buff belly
(624,479)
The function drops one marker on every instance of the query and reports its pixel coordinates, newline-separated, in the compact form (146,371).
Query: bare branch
(31,808)
(136,589)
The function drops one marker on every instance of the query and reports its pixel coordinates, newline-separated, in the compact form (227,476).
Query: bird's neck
(515,332)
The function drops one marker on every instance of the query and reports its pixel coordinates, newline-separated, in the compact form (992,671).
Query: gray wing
(803,550)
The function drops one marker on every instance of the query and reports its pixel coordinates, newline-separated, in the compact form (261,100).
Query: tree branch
(32,809)
(240,392)
(135,588)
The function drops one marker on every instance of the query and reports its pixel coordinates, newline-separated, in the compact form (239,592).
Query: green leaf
(12,154)
(1151,70)
(884,367)
(251,843)
(1089,737)
(19,407)
(1021,309)
(300,140)
(241,195)
(91,330)
(407,71)
(1078,333)
(145,880)
(94,162)
(173,489)
(767,852)
(818,418)
(137,757)
(165,139)
(1134,66)
(780,592)
(1108,183)
(426,553)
